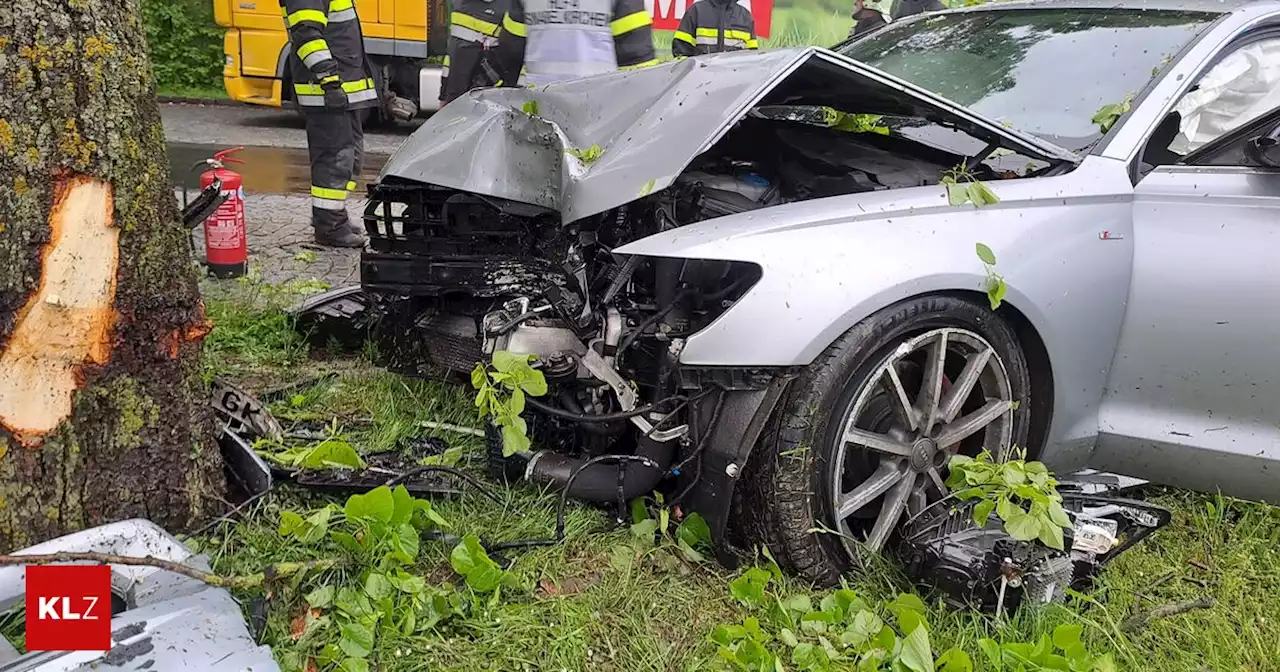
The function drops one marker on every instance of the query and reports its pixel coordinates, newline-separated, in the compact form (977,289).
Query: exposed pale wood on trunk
(102,411)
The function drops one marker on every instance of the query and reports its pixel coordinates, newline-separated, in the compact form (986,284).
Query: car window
(1043,71)
(1241,87)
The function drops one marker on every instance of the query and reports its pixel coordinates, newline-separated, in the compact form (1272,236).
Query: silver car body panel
(829,263)
(649,123)
(172,622)
(1088,265)
(1107,274)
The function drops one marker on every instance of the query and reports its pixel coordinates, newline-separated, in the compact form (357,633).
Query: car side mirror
(1264,150)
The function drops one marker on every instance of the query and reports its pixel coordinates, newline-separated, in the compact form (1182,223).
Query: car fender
(1063,245)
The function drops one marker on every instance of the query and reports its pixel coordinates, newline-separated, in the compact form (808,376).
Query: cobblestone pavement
(281,249)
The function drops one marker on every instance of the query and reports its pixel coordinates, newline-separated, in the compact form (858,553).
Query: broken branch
(277,570)
(1138,620)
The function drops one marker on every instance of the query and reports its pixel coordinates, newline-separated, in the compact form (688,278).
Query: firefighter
(712,26)
(553,44)
(473,31)
(333,89)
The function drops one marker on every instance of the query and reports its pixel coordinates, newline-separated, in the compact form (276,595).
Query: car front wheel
(865,437)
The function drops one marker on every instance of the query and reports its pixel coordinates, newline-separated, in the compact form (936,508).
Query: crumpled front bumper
(171,622)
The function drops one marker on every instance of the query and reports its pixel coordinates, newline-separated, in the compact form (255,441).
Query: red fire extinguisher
(225,248)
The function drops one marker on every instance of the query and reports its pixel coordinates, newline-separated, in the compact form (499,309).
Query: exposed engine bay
(494,229)
(467,275)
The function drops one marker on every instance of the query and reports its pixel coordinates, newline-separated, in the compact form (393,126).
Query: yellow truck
(399,38)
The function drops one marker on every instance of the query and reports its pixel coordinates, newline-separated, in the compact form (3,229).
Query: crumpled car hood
(529,145)
(172,622)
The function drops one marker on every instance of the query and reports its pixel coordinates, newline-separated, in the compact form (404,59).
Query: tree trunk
(102,408)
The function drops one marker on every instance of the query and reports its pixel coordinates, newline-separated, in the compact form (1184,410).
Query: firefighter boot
(338,236)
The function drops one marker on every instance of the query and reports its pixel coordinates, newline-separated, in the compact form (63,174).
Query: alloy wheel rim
(888,465)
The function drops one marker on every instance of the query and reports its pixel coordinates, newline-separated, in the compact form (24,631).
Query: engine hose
(598,482)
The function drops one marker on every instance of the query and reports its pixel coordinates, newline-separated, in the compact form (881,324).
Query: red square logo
(68,608)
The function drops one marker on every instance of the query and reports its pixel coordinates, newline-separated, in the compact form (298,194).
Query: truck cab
(405,41)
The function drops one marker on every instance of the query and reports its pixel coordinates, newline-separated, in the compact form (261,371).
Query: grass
(199,92)
(599,602)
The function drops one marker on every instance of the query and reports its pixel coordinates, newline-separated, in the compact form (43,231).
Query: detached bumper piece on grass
(160,620)
(984,567)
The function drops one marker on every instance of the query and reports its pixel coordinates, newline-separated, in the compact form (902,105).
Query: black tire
(786,496)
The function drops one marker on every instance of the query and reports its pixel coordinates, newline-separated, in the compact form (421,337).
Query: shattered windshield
(1043,71)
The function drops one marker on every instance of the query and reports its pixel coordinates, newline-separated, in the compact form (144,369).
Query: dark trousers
(335,141)
(464,68)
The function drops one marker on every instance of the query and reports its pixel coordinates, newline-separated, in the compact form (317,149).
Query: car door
(1193,395)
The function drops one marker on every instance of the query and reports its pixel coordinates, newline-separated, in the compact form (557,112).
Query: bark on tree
(102,409)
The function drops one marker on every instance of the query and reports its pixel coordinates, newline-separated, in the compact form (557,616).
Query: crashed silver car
(744,271)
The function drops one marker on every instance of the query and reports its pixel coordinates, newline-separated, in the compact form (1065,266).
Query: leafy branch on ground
(691,537)
(845,632)
(995,285)
(1108,115)
(500,391)
(963,187)
(1022,494)
(332,452)
(379,534)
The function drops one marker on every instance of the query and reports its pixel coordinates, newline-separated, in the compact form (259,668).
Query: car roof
(1211,6)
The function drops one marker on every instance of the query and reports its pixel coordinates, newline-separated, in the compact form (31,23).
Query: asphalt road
(275,154)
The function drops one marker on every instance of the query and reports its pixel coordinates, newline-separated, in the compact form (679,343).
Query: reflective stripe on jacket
(711,26)
(477,21)
(554,43)
(327,41)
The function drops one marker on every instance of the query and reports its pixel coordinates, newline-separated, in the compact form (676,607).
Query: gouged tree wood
(102,412)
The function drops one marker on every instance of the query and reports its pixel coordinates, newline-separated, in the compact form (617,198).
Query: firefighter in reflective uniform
(332,89)
(712,26)
(473,30)
(555,40)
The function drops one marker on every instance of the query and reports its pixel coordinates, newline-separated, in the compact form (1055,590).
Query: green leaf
(1050,534)
(479,378)
(357,640)
(1013,474)
(320,597)
(647,187)
(354,665)
(982,511)
(909,610)
(514,440)
(991,650)
(728,634)
(957,194)
(1057,515)
(916,654)
(402,507)
(689,553)
(798,603)
(376,505)
(749,588)
(506,362)
(954,660)
(1023,526)
(1007,510)
(987,256)
(377,586)
(346,540)
(1104,663)
(530,107)
(982,195)
(291,523)
(996,292)
(331,454)
(639,510)
(866,624)
(470,560)
(1067,635)
(695,531)
(644,530)
(789,638)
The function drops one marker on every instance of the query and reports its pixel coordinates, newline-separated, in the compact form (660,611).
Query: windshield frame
(1100,143)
